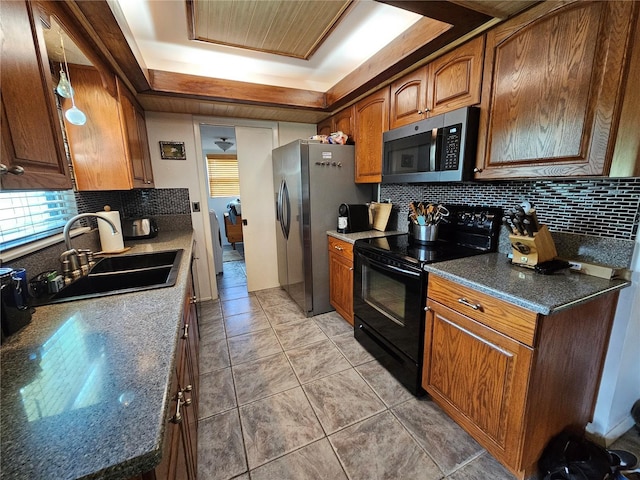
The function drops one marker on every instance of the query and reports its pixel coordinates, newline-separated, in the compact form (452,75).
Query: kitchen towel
(109,241)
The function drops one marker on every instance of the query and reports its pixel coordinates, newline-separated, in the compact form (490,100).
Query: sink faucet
(74,263)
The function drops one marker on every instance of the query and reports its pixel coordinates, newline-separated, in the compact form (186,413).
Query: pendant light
(74,115)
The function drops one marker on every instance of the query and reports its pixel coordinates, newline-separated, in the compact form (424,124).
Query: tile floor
(283,397)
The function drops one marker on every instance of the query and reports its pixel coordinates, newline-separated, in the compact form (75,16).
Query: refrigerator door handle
(287,210)
(280,208)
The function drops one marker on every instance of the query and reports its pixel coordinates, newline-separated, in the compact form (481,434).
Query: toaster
(136,228)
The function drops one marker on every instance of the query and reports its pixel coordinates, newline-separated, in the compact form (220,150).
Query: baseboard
(612,435)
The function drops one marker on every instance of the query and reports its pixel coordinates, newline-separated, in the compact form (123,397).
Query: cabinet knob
(148,182)
(427,308)
(420,112)
(338,247)
(16,170)
(3,169)
(477,170)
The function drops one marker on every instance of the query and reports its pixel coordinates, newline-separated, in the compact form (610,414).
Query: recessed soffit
(282,27)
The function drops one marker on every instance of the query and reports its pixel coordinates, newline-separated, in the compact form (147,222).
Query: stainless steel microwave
(438,149)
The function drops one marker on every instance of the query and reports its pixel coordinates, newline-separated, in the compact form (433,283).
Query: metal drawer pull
(3,169)
(186,331)
(475,306)
(338,247)
(16,170)
(177,418)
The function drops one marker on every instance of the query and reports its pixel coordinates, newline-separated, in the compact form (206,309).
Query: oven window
(385,294)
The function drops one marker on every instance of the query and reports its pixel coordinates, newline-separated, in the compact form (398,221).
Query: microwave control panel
(451,140)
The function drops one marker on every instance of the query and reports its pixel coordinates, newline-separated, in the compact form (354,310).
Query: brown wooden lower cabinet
(510,377)
(341,277)
(180,448)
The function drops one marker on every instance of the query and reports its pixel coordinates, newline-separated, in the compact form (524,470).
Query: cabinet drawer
(342,248)
(504,317)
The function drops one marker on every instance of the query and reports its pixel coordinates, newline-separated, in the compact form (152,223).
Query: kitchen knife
(528,226)
(510,228)
(518,224)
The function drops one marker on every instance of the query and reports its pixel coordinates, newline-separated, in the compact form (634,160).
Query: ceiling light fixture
(223,144)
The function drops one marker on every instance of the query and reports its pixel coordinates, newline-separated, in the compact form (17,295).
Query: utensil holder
(530,251)
(424,234)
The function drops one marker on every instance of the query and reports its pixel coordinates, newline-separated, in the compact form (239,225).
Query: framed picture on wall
(172,151)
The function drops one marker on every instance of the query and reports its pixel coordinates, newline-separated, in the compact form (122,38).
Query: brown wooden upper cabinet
(371,120)
(109,152)
(343,121)
(32,147)
(552,92)
(449,82)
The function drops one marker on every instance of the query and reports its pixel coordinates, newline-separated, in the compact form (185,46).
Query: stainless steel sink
(124,274)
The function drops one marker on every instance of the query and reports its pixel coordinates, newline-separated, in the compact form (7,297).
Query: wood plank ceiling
(280,26)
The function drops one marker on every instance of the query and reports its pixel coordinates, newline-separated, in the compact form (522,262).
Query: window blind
(29,216)
(224,180)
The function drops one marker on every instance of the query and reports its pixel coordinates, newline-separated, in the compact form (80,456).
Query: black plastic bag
(571,457)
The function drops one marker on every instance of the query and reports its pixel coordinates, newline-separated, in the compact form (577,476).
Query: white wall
(181,174)
(620,385)
(288,132)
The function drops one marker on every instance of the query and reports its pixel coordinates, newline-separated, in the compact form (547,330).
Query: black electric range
(390,286)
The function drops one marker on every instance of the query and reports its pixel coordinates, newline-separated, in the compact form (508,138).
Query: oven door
(389,299)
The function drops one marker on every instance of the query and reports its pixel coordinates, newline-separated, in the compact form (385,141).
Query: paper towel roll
(109,241)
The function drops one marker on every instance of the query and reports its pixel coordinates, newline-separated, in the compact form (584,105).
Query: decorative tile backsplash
(137,203)
(600,207)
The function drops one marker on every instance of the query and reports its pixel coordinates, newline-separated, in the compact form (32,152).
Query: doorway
(222,184)
(252,145)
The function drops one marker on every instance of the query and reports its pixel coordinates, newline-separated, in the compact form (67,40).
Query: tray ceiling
(293,29)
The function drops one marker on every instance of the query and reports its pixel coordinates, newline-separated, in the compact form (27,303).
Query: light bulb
(64,88)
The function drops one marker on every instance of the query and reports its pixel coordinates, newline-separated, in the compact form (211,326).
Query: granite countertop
(545,294)
(352,237)
(85,384)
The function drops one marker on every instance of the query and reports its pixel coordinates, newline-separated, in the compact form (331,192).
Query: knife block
(530,251)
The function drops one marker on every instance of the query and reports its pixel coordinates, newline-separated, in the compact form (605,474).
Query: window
(29,216)
(224,180)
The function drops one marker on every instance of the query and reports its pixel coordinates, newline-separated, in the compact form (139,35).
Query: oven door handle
(389,268)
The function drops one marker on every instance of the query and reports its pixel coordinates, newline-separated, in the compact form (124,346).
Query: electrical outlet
(575,266)
(195,206)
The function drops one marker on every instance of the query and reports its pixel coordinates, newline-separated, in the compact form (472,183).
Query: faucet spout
(72,220)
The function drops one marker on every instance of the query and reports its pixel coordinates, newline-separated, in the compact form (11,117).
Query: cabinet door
(341,285)
(372,119)
(31,130)
(136,139)
(408,98)
(344,122)
(325,127)
(98,150)
(455,79)
(550,94)
(479,377)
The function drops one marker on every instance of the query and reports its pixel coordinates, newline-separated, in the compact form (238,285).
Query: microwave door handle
(433,150)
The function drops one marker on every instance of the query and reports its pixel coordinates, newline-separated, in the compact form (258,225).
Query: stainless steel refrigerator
(311,180)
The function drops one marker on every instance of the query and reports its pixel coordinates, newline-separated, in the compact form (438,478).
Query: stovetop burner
(468,231)
(404,248)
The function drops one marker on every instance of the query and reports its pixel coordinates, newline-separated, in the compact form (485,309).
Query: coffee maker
(353,218)
(15,312)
